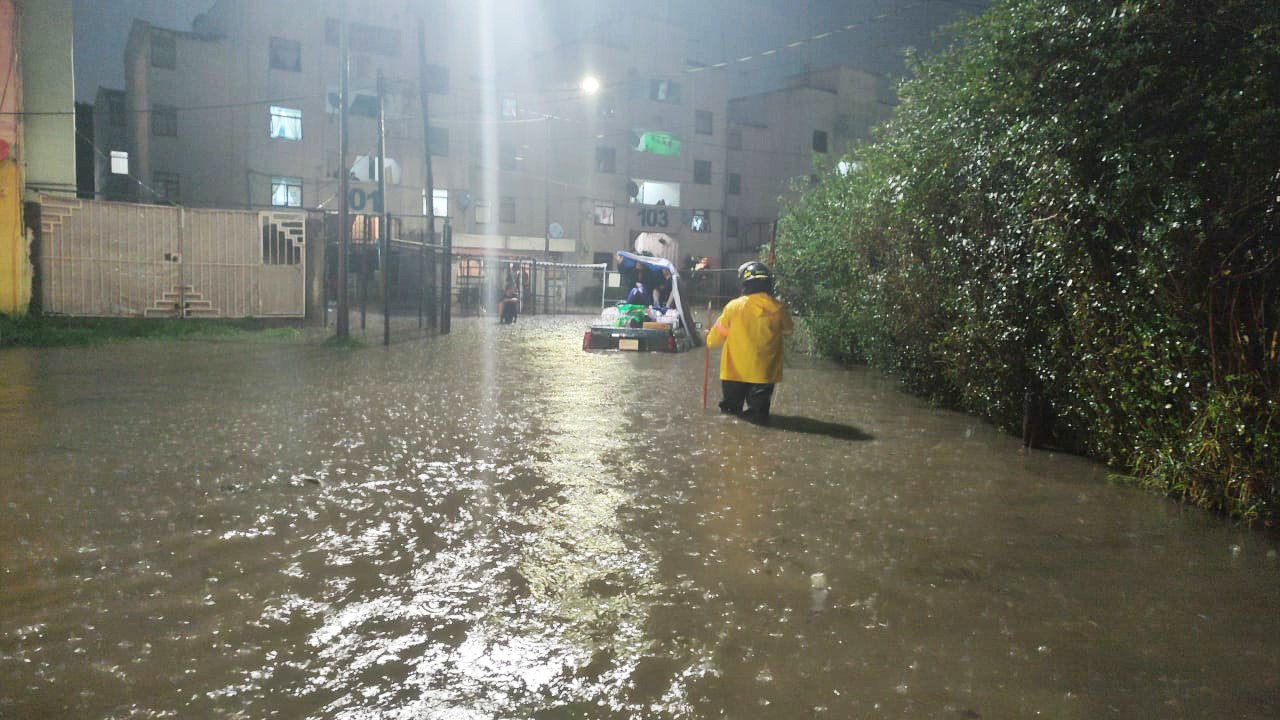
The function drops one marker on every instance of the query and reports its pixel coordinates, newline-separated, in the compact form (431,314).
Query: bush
(1080,198)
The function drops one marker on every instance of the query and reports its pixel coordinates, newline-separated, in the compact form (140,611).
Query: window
(440,202)
(164,49)
(286,54)
(119,162)
(165,185)
(731,227)
(286,191)
(654,192)
(664,90)
(439,139)
(286,123)
(606,160)
(603,214)
(819,141)
(510,107)
(700,221)
(703,122)
(735,184)
(482,212)
(164,121)
(507,209)
(363,104)
(702,172)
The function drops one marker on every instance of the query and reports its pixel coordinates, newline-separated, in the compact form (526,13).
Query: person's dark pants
(755,396)
(509,311)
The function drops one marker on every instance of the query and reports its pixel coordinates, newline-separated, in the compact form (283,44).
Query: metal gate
(108,259)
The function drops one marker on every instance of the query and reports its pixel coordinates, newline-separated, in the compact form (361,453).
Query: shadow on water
(812,426)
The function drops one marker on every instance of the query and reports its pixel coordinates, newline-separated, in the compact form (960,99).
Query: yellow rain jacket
(751,329)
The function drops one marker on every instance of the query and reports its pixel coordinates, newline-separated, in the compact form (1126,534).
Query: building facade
(37,129)
(775,138)
(241,112)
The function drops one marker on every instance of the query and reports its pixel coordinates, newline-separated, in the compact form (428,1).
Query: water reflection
(246,530)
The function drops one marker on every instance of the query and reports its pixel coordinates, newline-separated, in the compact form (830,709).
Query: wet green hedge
(1079,197)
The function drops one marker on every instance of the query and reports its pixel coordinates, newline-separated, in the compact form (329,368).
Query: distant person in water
(510,304)
(638,295)
(751,329)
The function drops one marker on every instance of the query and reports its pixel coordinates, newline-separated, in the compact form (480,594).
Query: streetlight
(590,85)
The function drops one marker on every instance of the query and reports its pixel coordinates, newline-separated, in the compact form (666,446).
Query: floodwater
(495,524)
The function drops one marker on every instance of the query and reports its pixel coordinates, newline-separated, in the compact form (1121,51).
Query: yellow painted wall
(15,262)
(15,265)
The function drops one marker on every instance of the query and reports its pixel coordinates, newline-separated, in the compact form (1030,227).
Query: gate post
(446,286)
(182,263)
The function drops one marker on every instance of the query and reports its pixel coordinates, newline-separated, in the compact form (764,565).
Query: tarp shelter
(631,264)
(658,245)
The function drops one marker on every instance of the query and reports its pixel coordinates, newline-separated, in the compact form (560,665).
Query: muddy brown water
(496,524)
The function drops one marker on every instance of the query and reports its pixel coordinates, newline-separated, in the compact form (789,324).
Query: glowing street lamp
(590,85)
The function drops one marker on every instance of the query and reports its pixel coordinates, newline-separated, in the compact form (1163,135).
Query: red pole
(706,358)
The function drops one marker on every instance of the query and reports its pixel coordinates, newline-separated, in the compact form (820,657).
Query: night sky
(718,30)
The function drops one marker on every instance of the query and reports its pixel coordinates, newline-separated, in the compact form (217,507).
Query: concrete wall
(15,265)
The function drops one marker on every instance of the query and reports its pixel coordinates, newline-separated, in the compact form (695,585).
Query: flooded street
(495,524)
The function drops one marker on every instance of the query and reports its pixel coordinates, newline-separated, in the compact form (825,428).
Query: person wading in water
(751,329)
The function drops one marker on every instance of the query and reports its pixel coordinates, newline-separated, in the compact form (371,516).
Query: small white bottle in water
(818,592)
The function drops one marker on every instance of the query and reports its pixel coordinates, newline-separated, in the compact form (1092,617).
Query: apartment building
(646,153)
(241,111)
(43,45)
(775,138)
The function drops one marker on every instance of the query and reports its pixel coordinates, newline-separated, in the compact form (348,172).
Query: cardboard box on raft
(657,326)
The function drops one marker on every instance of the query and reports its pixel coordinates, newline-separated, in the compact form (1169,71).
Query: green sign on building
(659,143)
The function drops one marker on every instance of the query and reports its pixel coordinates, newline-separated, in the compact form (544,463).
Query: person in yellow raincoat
(751,329)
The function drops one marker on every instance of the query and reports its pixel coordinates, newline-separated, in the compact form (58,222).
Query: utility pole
(424,92)
(446,285)
(546,218)
(384,221)
(344,219)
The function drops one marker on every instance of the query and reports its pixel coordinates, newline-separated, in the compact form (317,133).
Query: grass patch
(351,342)
(65,331)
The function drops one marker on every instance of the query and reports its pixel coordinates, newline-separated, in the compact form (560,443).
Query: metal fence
(109,259)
